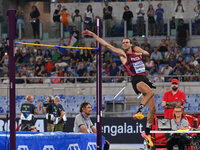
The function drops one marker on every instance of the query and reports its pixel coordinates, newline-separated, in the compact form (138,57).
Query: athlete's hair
(84,105)
(127,39)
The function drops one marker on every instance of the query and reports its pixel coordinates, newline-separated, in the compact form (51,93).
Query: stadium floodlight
(53,1)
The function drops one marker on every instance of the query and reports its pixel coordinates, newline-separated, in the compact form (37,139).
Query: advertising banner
(114,129)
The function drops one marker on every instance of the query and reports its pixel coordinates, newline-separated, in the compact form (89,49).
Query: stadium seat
(109,98)
(186,50)
(133,109)
(120,99)
(1,110)
(194,50)
(79,98)
(187,58)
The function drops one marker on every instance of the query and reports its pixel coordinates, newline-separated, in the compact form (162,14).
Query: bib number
(139,67)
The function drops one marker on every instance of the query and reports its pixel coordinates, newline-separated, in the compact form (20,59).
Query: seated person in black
(178,123)
(27,113)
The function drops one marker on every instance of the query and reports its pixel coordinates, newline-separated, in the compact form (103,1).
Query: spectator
(197,19)
(75,56)
(34,17)
(39,55)
(71,79)
(149,65)
(197,55)
(62,50)
(17,80)
(135,42)
(145,44)
(5,79)
(163,47)
(27,56)
(156,55)
(178,123)
(20,18)
(166,69)
(46,80)
(179,10)
(193,62)
(151,20)
(18,56)
(172,24)
(27,113)
(65,13)
(113,69)
(86,56)
(83,124)
(42,71)
(107,16)
(171,98)
(4,60)
(76,36)
(172,60)
(49,65)
(128,17)
(140,19)
(167,54)
(178,69)
(187,77)
(182,33)
(159,19)
(88,18)
(56,18)
(47,55)
(56,55)
(168,41)
(178,51)
(81,71)
(57,14)
(60,117)
(77,20)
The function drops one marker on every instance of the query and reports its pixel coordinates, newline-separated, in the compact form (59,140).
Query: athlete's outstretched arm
(140,50)
(104,43)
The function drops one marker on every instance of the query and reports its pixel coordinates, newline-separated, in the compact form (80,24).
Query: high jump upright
(99,87)
(12,78)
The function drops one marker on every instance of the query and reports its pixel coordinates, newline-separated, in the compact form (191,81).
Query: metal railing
(50,30)
(111,79)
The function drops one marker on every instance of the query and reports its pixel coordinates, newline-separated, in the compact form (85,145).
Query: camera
(46,103)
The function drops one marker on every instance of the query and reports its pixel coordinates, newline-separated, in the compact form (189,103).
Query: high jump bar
(174,131)
(56,46)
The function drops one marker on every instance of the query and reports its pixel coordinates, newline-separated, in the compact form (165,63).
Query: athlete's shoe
(139,116)
(147,138)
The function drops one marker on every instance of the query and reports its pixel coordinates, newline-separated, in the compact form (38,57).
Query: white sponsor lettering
(22,147)
(91,146)
(73,146)
(114,130)
(48,147)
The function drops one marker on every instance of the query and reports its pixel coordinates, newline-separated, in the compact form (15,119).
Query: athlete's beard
(174,88)
(126,49)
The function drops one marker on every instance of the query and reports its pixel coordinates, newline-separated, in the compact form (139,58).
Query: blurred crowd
(166,59)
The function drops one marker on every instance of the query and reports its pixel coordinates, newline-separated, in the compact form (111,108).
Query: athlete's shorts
(140,78)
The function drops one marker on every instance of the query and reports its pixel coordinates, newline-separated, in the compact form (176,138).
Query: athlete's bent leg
(148,99)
